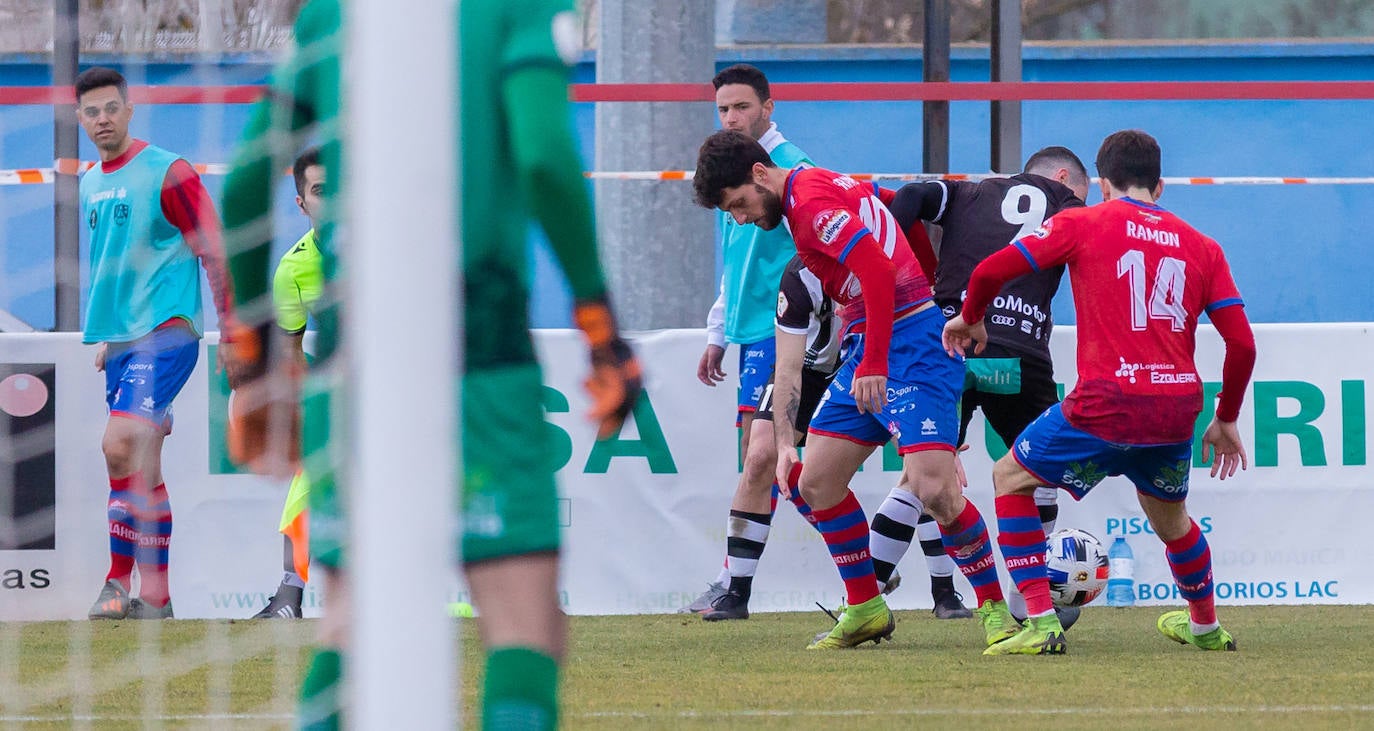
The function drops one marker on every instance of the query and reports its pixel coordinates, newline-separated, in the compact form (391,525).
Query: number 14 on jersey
(1165,294)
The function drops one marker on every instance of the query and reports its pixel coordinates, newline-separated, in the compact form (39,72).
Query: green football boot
(870,621)
(834,617)
(1041,636)
(998,624)
(1175,626)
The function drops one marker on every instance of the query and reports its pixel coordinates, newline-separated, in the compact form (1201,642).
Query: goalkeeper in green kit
(519,161)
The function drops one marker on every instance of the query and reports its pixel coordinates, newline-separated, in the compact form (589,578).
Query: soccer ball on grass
(1077,565)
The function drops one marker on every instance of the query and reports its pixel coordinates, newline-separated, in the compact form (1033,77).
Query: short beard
(772,209)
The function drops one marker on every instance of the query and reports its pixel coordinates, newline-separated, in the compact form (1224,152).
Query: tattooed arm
(787,376)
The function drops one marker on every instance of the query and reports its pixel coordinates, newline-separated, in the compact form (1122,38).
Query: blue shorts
(1062,455)
(923,388)
(755,372)
(143,376)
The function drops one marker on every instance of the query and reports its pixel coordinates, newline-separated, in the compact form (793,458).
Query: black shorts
(813,387)
(1010,413)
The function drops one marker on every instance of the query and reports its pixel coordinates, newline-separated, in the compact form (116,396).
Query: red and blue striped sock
(154,542)
(966,541)
(1021,536)
(1191,561)
(794,496)
(845,529)
(123,527)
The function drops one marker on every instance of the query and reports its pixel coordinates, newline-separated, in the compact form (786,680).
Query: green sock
(520,691)
(321,692)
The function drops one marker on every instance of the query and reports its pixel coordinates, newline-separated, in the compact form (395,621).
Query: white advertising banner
(644,515)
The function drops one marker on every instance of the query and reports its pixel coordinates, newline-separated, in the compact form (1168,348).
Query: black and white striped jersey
(804,309)
(978,219)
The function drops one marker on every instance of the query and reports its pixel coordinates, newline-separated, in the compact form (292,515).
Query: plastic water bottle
(1120,574)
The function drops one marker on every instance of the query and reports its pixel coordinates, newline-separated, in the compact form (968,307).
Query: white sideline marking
(841,713)
(849,713)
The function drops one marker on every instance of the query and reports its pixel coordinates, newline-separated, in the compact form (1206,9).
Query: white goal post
(401,211)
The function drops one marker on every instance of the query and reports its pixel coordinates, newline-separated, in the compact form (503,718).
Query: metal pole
(211,36)
(935,67)
(654,227)
(66,205)
(1006,66)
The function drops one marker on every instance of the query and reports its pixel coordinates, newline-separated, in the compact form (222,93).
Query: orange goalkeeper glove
(616,379)
(263,428)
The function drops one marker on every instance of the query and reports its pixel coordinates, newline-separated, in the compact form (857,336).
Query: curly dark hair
(726,160)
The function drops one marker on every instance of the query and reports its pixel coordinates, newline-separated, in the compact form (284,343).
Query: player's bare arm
(787,377)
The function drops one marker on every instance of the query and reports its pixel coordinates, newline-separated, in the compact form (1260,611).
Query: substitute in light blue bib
(142,271)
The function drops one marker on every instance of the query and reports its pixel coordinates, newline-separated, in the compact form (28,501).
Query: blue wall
(1296,251)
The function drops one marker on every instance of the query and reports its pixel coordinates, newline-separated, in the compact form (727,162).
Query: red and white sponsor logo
(119,530)
(845,559)
(1191,588)
(829,224)
(1044,230)
(968,550)
(154,541)
(983,564)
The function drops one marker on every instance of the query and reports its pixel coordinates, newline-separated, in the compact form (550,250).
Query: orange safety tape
(65,166)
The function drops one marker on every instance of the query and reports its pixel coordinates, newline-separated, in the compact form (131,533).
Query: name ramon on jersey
(1153,235)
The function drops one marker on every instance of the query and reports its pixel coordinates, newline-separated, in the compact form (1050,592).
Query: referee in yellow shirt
(296,287)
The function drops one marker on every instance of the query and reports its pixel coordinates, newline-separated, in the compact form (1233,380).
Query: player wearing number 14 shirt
(895,380)
(1141,278)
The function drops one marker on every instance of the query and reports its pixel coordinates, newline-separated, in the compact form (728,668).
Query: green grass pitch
(1297,667)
